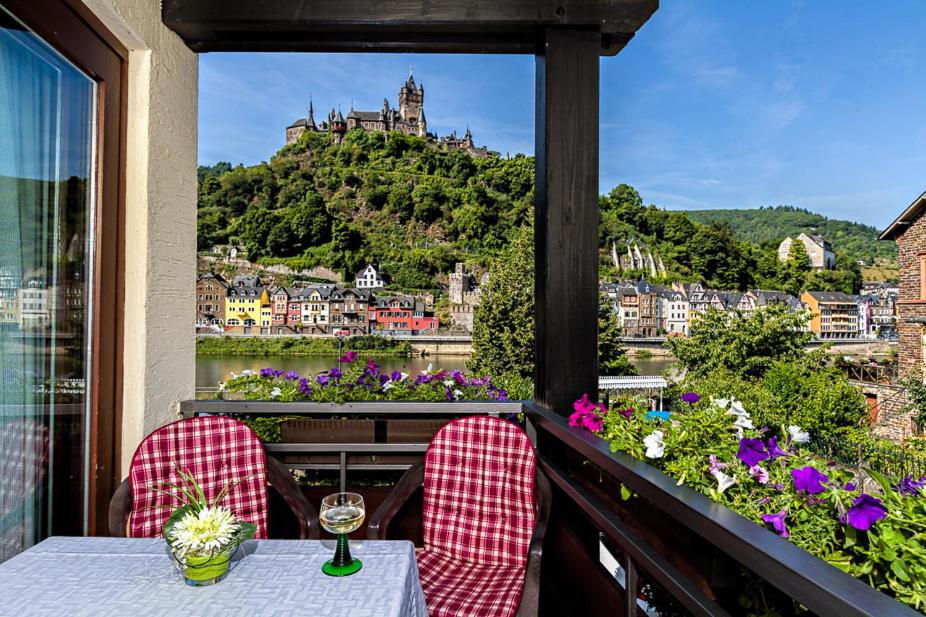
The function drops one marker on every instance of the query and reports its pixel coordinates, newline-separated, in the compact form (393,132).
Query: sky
(713,104)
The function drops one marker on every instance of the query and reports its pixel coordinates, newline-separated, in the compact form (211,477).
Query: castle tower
(411,100)
(460,283)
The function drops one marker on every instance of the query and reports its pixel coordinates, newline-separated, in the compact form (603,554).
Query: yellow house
(246,305)
(833,314)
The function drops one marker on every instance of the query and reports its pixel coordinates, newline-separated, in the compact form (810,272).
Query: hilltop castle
(408,118)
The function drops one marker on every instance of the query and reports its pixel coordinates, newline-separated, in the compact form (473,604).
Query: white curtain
(32,157)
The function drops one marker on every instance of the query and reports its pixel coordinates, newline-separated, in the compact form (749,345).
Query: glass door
(47,195)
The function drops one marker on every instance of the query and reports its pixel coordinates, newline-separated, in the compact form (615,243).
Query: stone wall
(891,417)
(910,245)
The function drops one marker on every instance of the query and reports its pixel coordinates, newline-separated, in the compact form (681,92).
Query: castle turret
(338,126)
(411,100)
(422,125)
(310,122)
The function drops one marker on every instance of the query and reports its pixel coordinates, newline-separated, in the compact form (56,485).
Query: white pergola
(635,382)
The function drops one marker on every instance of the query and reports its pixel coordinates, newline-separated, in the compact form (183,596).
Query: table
(118,576)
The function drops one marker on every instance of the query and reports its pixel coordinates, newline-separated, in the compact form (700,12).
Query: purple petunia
(909,487)
(865,512)
(322,380)
(751,451)
(266,372)
(627,412)
(850,486)
(349,357)
(809,480)
(292,376)
(383,380)
(304,386)
(777,521)
(458,377)
(335,373)
(716,465)
(774,450)
(396,376)
(691,398)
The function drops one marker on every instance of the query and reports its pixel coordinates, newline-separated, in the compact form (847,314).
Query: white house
(676,313)
(369,278)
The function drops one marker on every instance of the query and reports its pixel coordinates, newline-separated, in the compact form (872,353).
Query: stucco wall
(160,225)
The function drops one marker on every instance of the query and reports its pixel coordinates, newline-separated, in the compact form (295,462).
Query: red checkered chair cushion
(216,450)
(479,515)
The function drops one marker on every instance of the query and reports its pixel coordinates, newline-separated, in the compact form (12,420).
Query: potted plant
(203,536)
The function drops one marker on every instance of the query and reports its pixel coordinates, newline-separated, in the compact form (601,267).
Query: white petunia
(449,382)
(737,408)
(387,385)
(404,377)
(798,435)
(428,370)
(743,422)
(247,372)
(275,393)
(720,402)
(457,394)
(655,447)
(723,480)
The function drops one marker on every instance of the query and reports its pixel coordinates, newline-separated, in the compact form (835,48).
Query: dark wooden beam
(468,26)
(566,218)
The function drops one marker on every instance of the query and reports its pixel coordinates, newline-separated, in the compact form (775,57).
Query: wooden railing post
(566,217)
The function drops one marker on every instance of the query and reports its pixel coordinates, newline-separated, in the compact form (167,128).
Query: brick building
(909,232)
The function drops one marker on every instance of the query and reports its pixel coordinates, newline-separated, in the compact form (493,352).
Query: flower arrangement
(874,532)
(202,535)
(359,381)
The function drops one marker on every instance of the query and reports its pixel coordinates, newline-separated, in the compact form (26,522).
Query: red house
(401,314)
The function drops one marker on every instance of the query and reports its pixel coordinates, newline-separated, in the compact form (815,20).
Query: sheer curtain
(44,141)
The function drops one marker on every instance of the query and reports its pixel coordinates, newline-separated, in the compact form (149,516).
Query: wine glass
(342,513)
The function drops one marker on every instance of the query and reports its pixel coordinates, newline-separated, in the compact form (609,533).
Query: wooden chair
(486,507)
(216,450)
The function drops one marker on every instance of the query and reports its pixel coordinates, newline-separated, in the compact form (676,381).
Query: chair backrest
(216,450)
(479,492)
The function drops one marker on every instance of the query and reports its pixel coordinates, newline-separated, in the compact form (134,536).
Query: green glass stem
(342,552)
(342,564)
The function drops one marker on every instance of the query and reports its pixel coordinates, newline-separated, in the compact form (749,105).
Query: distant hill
(771,225)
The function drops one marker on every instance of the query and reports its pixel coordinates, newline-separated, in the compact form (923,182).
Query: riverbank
(298,346)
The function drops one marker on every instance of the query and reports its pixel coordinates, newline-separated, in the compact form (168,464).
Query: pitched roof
(831,296)
(906,218)
(297,123)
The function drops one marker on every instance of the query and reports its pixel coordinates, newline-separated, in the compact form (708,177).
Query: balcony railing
(667,538)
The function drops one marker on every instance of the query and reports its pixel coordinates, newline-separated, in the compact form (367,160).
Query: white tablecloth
(116,576)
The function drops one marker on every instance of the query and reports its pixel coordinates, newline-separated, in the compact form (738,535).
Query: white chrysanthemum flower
(209,531)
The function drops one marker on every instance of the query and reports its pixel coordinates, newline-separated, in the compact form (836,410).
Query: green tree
(503,322)
(797,267)
(742,344)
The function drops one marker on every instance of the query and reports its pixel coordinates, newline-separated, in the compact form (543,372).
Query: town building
(627,304)
(675,316)
(909,232)
(369,278)
(819,251)
(834,314)
(33,304)
(10,279)
(211,292)
(245,304)
(401,315)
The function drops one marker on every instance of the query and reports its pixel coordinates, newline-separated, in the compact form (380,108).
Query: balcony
(134,359)
(671,545)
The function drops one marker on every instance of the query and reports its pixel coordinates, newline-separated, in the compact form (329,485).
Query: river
(210,370)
